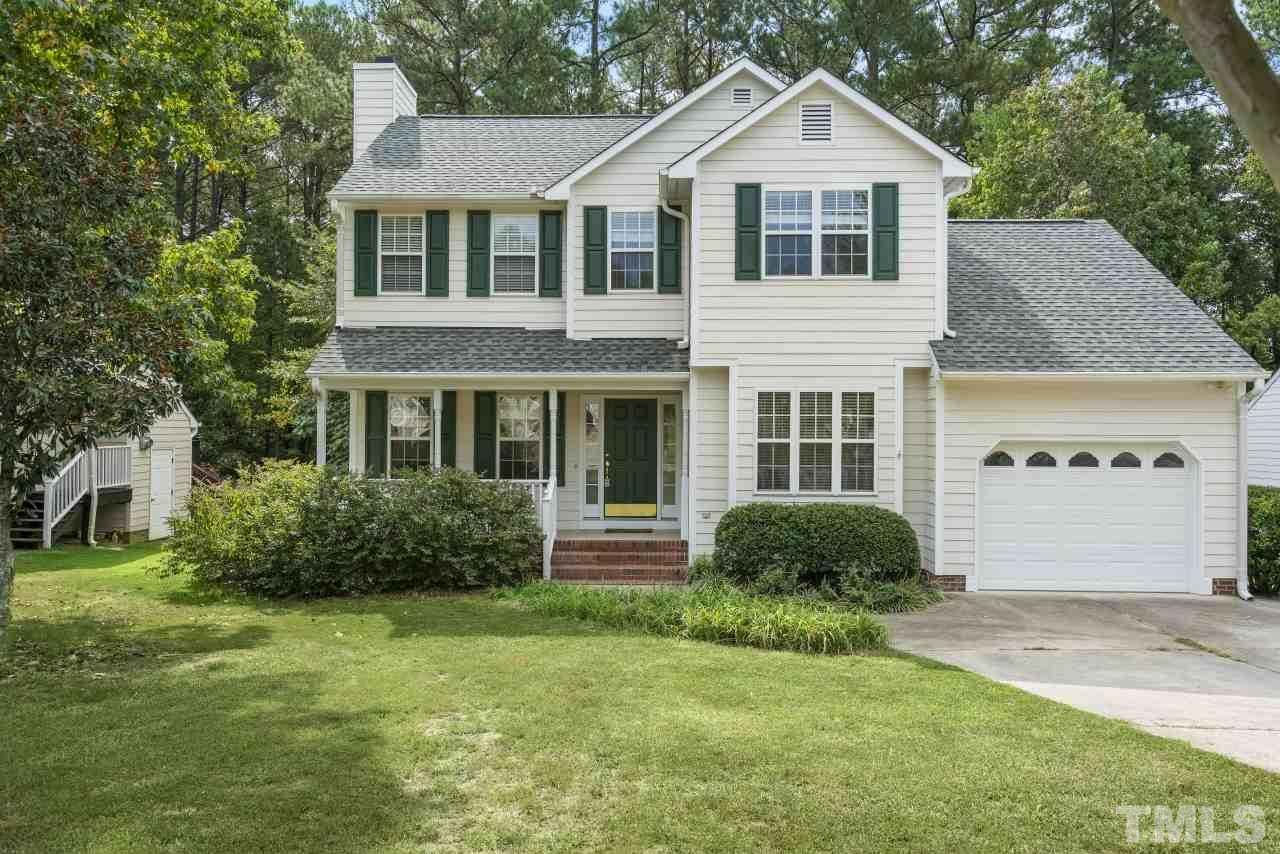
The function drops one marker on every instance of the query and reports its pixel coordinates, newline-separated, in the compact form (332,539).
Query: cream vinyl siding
(630,180)
(841,334)
(1264,439)
(1202,416)
(519,310)
(710,456)
(917,458)
(171,432)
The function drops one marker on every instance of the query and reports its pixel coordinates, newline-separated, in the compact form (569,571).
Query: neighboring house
(1264,436)
(755,295)
(137,485)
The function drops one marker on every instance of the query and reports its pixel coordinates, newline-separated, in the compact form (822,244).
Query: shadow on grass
(197,759)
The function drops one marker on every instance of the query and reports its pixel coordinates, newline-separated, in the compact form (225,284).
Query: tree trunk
(595,56)
(1238,69)
(6,544)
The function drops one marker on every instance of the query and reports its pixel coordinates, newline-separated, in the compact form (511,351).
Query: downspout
(664,183)
(1242,490)
(961,188)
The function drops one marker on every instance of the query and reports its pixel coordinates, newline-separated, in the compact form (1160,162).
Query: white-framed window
(817,122)
(805,443)
(632,238)
(520,436)
(773,441)
(788,233)
(515,253)
(741,97)
(409,432)
(400,251)
(592,442)
(836,246)
(858,441)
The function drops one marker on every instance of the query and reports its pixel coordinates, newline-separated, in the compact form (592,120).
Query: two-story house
(756,295)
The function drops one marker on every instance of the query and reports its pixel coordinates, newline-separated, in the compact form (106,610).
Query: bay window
(632,238)
(515,253)
(806,444)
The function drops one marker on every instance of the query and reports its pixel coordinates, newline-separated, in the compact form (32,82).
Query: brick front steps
(621,561)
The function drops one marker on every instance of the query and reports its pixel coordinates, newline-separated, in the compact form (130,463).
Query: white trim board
(560,189)
(687,166)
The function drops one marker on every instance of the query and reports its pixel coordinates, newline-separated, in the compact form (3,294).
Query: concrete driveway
(1200,668)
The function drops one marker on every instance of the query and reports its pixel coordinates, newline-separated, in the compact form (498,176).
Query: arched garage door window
(1041,460)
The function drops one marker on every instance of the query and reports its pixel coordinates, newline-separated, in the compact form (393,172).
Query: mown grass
(711,612)
(139,717)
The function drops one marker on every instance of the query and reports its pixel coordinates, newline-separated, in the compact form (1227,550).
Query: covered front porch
(596,430)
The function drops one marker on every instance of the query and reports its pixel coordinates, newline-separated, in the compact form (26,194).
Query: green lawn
(136,716)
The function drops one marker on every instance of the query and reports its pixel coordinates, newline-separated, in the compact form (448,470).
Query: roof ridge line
(535,115)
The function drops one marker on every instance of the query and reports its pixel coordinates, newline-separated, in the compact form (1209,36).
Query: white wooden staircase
(80,480)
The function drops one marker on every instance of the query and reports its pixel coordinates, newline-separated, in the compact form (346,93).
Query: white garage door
(1057,516)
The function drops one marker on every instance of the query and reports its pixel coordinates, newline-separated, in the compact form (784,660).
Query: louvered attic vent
(742,97)
(815,122)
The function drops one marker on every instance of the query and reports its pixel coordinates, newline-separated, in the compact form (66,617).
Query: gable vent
(742,97)
(815,122)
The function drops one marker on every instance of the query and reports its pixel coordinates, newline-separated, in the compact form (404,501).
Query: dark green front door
(631,459)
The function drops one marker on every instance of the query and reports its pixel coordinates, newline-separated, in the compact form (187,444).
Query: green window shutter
(546,435)
(449,429)
(477,253)
(746,239)
(595,248)
(437,253)
(486,434)
(366,254)
(375,433)
(668,253)
(884,231)
(560,443)
(550,252)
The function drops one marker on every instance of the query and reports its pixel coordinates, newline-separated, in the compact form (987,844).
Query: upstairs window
(632,235)
(515,253)
(742,97)
(844,232)
(788,233)
(400,245)
(816,121)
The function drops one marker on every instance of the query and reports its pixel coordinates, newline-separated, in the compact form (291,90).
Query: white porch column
(322,426)
(437,418)
(685,453)
(92,464)
(553,398)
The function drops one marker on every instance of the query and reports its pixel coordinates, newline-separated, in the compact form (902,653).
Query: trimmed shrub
(820,542)
(719,613)
(286,529)
(1264,540)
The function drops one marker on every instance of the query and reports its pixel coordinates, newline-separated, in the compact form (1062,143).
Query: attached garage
(1087,516)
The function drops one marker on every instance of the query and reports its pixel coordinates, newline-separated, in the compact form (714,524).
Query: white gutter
(1103,376)
(1242,491)
(500,376)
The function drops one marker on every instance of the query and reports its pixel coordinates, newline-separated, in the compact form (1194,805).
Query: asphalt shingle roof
(481,154)
(1070,296)
(394,349)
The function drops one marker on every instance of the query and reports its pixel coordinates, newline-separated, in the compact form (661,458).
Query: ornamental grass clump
(715,612)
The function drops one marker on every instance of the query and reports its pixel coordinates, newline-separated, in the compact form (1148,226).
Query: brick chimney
(380,95)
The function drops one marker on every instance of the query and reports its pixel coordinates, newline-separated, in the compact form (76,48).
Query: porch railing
(543,493)
(115,466)
(62,492)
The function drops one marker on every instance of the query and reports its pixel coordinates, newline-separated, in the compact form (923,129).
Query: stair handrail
(62,492)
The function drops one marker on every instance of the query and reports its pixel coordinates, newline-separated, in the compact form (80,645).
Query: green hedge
(1264,540)
(822,541)
(287,529)
(717,613)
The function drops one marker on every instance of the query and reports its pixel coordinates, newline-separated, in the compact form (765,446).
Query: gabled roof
(952,165)
(1071,297)
(470,350)
(560,190)
(1266,388)
(479,155)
